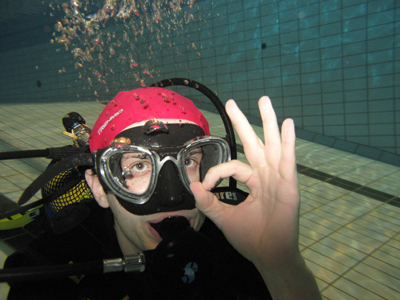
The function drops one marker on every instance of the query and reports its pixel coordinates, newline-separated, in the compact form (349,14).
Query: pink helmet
(128,108)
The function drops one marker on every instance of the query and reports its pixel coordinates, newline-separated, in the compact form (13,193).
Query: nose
(170,190)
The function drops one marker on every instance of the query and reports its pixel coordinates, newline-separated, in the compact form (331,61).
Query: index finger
(252,145)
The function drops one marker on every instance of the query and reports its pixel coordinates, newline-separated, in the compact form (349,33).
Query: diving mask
(131,172)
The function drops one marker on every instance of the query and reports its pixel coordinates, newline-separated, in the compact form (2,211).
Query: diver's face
(135,232)
(170,198)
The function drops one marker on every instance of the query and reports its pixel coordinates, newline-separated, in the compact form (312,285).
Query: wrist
(290,278)
(280,264)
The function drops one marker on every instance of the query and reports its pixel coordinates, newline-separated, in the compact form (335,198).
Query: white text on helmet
(109,120)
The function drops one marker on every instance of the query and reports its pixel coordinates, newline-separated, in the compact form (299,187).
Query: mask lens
(129,172)
(136,172)
(192,164)
(201,155)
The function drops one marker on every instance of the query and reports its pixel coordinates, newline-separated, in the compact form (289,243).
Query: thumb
(207,202)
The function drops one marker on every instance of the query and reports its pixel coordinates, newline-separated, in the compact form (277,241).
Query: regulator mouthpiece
(171,226)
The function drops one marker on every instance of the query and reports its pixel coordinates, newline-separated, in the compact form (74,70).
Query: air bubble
(89,37)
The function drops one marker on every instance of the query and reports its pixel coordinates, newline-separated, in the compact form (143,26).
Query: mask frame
(112,177)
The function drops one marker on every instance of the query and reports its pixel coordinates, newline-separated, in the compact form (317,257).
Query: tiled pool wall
(332,66)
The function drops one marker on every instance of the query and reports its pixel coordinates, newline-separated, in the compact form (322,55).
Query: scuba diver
(154,176)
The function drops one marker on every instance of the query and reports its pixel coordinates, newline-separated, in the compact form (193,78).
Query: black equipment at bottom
(184,262)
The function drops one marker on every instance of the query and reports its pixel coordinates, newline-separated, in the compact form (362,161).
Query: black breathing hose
(50,153)
(48,272)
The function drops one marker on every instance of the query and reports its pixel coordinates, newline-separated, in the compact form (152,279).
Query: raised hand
(265,227)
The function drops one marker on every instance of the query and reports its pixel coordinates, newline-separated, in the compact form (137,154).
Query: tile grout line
(369,255)
(343,183)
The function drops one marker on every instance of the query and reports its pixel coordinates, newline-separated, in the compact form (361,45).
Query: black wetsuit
(236,277)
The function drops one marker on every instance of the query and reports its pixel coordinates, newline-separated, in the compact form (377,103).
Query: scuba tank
(68,210)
